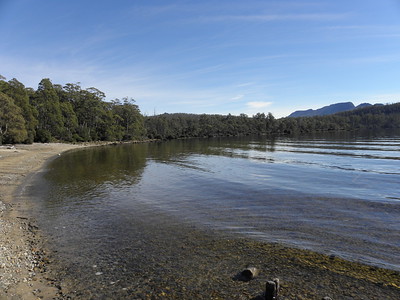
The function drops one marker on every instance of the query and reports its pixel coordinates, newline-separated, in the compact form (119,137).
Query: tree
(17,91)
(128,117)
(70,122)
(91,112)
(12,123)
(47,103)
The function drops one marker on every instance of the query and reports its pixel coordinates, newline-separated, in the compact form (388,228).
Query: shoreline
(22,269)
(25,269)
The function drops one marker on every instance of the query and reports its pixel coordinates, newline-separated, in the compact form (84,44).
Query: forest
(65,113)
(69,113)
(172,126)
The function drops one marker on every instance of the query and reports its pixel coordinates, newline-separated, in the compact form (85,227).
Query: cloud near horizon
(258,104)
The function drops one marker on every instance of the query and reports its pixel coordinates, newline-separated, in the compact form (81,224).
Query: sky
(213,57)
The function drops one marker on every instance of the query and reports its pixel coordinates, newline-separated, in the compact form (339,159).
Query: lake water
(334,194)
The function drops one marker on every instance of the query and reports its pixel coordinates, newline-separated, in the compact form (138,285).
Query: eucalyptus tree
(20,95)
(47,104)
(128,117)
(12,123)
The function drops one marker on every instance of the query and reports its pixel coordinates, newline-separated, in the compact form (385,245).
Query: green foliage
(65,113)
(12,123)
(172,126)
(17,91)
(367,118)
(128,121)
(70,113)
(70,121)
(47,104)
(91,118)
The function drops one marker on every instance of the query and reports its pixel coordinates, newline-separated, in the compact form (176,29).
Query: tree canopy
(70,113)
(12,123)
(171,126)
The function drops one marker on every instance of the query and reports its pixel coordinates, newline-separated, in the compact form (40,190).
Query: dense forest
(64,113)
(69,113)
(172,126)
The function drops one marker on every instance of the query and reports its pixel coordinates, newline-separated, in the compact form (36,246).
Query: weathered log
(271,292)
(277,285)
(250,273)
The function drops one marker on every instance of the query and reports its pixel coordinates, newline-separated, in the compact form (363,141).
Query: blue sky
(209,56)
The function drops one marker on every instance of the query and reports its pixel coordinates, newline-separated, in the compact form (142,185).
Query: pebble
(17,261)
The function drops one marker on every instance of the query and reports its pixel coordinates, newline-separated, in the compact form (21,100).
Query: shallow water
(332,194)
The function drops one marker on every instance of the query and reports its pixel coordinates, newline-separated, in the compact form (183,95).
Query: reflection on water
(336,194)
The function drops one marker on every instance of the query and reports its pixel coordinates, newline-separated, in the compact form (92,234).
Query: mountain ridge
(327,110)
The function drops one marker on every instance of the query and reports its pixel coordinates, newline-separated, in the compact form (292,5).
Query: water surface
(332,194)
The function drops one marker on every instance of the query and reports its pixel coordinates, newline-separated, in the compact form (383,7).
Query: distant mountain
(327,110)
(362,105)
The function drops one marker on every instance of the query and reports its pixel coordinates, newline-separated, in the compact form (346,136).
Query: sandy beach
(27,270)
(19,252)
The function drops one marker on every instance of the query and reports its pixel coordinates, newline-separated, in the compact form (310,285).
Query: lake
(335,194)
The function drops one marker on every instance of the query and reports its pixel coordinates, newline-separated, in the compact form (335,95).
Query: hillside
(327,110)
(372,117)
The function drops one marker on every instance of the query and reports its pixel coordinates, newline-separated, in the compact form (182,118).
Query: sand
(19,253)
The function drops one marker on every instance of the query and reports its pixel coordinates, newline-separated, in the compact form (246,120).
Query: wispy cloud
(30,72)
(114,83)
(364,27)
(258,104)
(238,97)
(346,32)
(348,59)
(266,58)
(276,17)
(378,59)
(199,71)
(245,84)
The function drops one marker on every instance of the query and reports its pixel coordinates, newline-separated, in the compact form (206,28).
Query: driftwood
(272,289)
(249,273)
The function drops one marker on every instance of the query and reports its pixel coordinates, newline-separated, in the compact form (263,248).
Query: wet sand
(175,261)
(21,256)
